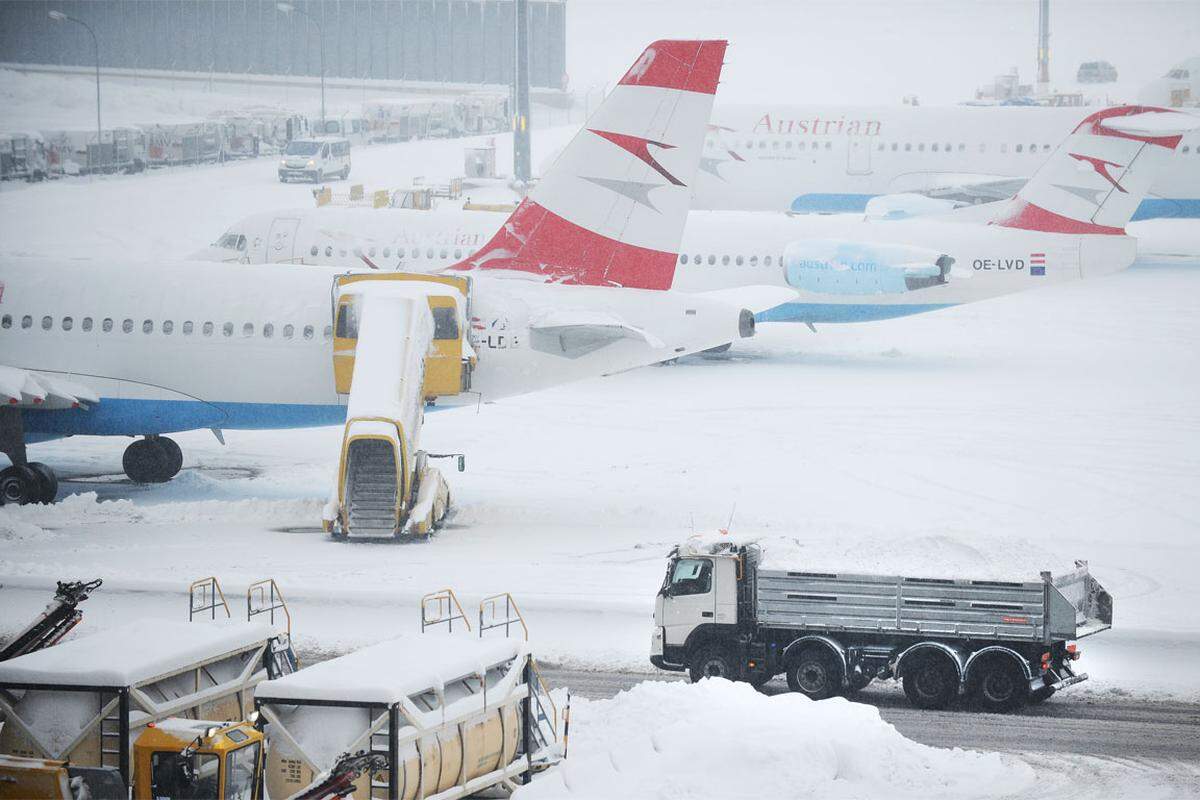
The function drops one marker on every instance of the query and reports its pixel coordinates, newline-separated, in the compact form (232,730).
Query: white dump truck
(722,611)
(429,716)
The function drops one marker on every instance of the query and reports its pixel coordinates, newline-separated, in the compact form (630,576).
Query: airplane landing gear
(25,481)
(155,459)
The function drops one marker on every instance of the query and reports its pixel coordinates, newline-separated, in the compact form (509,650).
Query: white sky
(877,51)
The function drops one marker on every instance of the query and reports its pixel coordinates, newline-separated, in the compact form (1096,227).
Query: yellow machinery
(400,341)
(172,758)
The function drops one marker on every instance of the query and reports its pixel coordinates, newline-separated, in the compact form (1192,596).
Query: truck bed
(1069,607)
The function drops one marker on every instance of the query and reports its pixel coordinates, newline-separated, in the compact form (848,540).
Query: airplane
(845,268)
(575,284)
(830,159)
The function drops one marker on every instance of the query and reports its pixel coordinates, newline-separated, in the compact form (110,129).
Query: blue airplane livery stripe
(1150,208)
(844,312)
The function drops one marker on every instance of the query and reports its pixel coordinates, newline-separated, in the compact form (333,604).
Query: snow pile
(718,739)
(21,522)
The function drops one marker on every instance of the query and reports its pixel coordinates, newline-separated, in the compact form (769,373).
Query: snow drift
(717,739)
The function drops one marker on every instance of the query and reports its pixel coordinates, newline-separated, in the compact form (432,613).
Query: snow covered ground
(1020,433)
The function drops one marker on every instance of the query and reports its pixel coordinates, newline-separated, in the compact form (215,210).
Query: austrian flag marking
(1037,264)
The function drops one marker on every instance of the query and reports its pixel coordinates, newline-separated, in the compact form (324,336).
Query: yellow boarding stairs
(400,341)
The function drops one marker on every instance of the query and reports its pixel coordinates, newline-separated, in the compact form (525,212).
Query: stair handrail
(491,603)
(268,592)
(447,605)
(545,692)
(210,589)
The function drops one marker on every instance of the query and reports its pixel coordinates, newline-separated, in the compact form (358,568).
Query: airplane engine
(843,267)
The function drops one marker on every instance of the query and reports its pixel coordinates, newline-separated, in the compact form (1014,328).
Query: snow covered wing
(28,389)
(576,333)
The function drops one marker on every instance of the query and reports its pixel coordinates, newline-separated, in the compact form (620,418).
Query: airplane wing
(576,333)
(26,388)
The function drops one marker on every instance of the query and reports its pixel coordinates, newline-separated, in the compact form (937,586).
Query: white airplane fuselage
(720,249)
(831,159)
(171,347)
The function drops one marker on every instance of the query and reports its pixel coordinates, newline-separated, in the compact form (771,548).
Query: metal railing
(265,597)
(446,608)
(205,595)
(490,607)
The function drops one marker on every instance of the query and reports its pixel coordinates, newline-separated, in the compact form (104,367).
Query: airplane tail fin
(611,210)
(1096,179)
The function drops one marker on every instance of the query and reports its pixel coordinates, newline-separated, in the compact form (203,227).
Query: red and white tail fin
(1098,177)
(611,210)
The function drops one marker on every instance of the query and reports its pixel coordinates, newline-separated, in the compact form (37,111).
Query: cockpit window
(299,148)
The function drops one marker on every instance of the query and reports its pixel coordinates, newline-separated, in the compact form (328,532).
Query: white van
(316,159)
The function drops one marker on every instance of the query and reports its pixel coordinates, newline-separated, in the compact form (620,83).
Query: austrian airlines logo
(1101,166)
(640,148)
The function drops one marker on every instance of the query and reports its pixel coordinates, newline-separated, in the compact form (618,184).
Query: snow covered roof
(386,672)
(131,653)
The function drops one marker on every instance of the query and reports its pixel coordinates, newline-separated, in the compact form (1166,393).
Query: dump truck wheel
(815,673)
(999,686)
(711,661)
(930,682)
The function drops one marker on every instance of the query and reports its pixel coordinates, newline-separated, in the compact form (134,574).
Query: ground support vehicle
(443,716)
(315,159)
(723,611)
(89,700)
(399,342)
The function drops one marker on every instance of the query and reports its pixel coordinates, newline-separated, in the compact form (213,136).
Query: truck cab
(698,597)
(180,758)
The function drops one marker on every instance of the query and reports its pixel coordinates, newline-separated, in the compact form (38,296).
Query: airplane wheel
(19,485)
(174,456)
(47,481)
(145,462)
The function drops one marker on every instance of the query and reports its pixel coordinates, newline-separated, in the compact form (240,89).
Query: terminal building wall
(438,41)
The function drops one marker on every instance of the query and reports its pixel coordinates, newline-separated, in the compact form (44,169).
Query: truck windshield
(303,148)
(173,775)
(240,767)
(691,576)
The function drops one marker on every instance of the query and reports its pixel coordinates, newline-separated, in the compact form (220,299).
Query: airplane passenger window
(107,325)
(724,261)
(754,261)
(288,331)
(880,147)
(26,321)
(227,329)
(1046,148)
(829,145)
(762,143)
(357,252)
(1004,147)
(775,144)
(313,251)
(86,325)
(127,326)
(1186,148)
(248,329)
(738,261)
(934,147)
(387,252)
(712,260)
(328,252)
(416,252)
(268,331)
(429,253)
(342,252)
(1020,148)
(908,147)
(443,253)
(947,147)
(47,323)
(749,143)
(147,326)
(800,145)
(767,261)
(1033,148)
(6,321)
(457,252)
(68,323)
(895,146)
(207,329)
(921,148)
(308,331)
(328,332)
(962,147)
(696,259)
(371,252)
(683,259)
(168,327)
(187,328)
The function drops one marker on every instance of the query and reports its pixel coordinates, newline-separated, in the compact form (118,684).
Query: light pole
(59,16)
(288,8)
